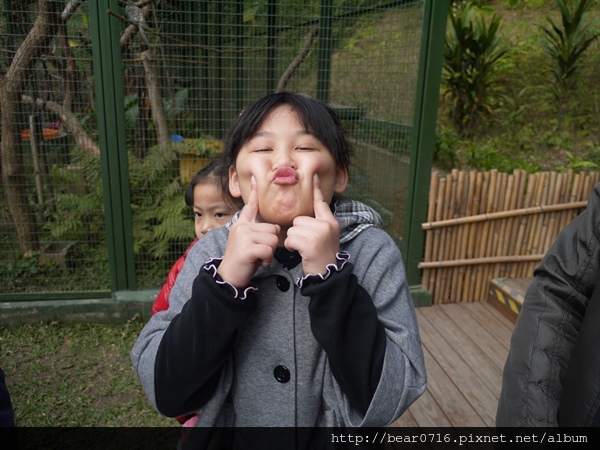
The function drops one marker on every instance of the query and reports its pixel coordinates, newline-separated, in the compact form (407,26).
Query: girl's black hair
(317,118)
(215,173)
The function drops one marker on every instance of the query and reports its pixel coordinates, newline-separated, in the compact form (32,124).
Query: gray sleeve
(379,269)
(548,323)
(145,349)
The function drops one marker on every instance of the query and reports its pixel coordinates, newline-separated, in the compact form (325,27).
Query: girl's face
(284,157)
(210,210)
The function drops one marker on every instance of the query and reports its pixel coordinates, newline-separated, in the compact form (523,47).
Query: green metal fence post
(271,46)
(426,108)
(325,50)
(108,81)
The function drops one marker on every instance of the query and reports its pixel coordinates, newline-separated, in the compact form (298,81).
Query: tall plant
(471,55)
(565,43)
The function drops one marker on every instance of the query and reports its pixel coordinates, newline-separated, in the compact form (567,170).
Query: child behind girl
(298,313)
(213,207)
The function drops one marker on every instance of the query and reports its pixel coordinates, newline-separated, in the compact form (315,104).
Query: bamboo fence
(484,225)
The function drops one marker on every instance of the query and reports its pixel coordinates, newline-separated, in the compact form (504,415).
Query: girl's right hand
(250,244)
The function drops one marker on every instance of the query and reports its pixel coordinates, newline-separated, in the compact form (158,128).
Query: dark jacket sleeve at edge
(548,323)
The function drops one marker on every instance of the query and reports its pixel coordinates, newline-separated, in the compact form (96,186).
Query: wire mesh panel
(190,67)
(52,235)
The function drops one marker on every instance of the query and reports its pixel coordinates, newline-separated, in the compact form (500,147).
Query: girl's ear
(341,180)
(234,185)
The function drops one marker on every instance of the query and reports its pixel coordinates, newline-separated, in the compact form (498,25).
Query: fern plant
(160,216)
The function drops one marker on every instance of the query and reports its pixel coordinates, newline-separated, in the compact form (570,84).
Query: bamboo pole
(453,235)
(439,235)
(553,230)
(477,179)
(429,234)
(481,261)
(549,180)
(462,252)
(481,248)
(459,209)
(504,214)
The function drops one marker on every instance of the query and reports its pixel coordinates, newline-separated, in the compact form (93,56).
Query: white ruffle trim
(342,258)
(243,295)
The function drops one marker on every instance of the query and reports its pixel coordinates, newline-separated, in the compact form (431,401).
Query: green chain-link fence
(82,126)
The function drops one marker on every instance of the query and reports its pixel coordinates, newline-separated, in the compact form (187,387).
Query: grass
(76,375)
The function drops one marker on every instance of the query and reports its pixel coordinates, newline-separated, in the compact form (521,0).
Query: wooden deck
(465,346)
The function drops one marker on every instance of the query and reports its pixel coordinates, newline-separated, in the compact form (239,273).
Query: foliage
(566,43)
(445,151)
(471,54)
(526,3)
(79,200)
(160,215)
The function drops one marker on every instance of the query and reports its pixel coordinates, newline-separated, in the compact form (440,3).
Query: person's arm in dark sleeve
(196,344)
(344,322)
(548,324)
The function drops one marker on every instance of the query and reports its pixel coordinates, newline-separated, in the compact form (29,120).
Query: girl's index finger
(250,209)
(320,205)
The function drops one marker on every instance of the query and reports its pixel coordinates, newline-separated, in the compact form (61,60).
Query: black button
(283,283)
(282,374)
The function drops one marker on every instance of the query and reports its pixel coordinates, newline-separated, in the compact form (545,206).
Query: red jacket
(162,300)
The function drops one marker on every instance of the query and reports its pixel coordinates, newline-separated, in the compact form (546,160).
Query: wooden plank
(405,420)
(457,409)
(479,335)
(464,376)
(427,413)
(500,329)
(458,338)
(500,318)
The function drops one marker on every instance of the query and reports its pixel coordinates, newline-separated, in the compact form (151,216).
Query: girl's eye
(220,215)
(305,148)
(262,150)
(197,215)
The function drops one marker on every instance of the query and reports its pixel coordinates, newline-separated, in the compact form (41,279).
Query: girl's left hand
(317,239)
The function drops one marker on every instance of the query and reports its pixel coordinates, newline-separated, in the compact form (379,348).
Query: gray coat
(278,333)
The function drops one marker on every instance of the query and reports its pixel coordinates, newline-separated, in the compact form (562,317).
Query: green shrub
(565,43)
(471,55)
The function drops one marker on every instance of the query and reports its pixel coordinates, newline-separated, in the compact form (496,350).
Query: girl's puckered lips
(285,175)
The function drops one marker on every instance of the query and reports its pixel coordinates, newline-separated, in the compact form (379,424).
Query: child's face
(210,210)
(284,158)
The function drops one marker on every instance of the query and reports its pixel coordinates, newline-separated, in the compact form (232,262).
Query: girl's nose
(283,158)
(208,225)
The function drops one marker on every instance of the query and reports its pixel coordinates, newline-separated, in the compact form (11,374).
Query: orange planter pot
(47,133)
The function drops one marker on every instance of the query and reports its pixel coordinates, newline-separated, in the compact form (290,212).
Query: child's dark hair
(318,119)
(215,173)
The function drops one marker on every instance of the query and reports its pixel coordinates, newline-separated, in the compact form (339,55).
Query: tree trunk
(159,116)
(11,89)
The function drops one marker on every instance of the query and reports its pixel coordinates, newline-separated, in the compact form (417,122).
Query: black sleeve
(344,321)
(7,414)
(196,344)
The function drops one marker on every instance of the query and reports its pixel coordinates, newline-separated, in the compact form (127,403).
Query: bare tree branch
(132,28)
(159,116)
(70,120)
(308,40)
(70,9)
